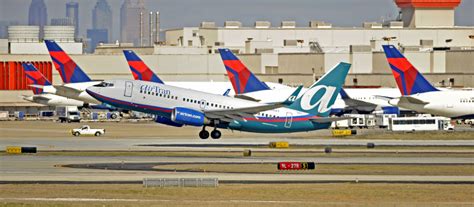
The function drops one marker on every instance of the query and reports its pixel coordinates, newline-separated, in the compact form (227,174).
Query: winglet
(140,70)
(226,93)
(292,98)
(70,72)
(34,77)
(242,79)
(408,78)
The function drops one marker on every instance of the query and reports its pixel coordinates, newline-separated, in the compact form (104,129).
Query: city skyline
(247,11)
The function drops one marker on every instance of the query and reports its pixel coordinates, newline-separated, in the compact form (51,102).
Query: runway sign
(343,132)
(13,150)
(20,150)
(279,145)
(296,166)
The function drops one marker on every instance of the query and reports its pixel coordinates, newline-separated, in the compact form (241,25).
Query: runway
(147,144)
(26,168)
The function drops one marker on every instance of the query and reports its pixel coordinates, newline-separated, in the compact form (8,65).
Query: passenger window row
(168,96)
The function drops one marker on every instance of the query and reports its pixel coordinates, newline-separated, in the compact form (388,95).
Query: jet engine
(167,121)
(188,117)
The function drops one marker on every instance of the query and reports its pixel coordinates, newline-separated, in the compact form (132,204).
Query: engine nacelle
(167,121)
(188,117)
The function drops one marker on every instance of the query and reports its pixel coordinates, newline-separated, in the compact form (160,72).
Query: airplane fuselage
(447,103)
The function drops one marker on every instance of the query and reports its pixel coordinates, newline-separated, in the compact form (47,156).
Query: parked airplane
(141,71)
(189,107)
(360,101)
(74,78)
(34,77)
(419,95)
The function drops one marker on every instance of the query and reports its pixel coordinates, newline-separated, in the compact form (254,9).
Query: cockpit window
(104,84)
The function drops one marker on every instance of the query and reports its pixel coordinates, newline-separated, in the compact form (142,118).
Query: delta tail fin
(34,77)
(408,78)
(70,72)
(242,79)
(140,70)
(321,96)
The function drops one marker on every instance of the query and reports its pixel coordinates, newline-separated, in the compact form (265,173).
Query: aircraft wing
(228,115)
(41,98)
(329,119)
(66,89)
(242,96)
(412,100)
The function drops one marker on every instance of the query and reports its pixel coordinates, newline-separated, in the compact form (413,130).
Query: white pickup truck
(86,130)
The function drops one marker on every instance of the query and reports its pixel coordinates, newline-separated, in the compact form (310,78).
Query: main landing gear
(204,134)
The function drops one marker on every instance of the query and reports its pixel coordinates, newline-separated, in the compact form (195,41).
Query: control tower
(427,13)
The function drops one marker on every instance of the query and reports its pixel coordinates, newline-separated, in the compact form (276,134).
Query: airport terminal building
(285,53)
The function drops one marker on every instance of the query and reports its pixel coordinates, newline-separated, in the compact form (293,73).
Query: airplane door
(289,119)
(128,89)
(203,104)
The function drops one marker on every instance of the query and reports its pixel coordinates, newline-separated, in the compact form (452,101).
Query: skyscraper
(72,12)
(38,14)
(134,21)
(102,18)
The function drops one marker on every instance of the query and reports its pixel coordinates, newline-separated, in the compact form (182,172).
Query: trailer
(420,124)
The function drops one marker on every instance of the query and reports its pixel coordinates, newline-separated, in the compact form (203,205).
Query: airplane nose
(394,102)
(93,91)
(28,98)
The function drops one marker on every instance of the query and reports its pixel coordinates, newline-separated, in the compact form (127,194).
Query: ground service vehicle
(420,124)
(86,130)
(68,114)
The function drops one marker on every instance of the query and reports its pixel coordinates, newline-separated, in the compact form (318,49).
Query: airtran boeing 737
(189,107)
(419,95)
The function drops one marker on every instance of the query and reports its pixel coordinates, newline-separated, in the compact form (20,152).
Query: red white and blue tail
(70,72)
(139,69)
(34,77)
(240,76)
(408,78)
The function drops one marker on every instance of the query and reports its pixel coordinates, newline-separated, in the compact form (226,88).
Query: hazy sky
(179,13)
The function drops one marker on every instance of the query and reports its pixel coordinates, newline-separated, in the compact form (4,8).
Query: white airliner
(190,107)
(34,77)
(419,95)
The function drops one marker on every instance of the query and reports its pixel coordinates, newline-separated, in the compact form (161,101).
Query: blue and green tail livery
(139,69)
(409,79)
(243,81)
(70,72)
(321,96)
(34,77)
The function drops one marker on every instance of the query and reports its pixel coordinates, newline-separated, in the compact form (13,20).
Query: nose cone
(28,98)
(93,91)
(394,102)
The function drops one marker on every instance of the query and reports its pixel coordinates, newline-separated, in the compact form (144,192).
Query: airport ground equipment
(358,120)
(247,153)
(68,114)
(420,124)
(86,130)
(383,120)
